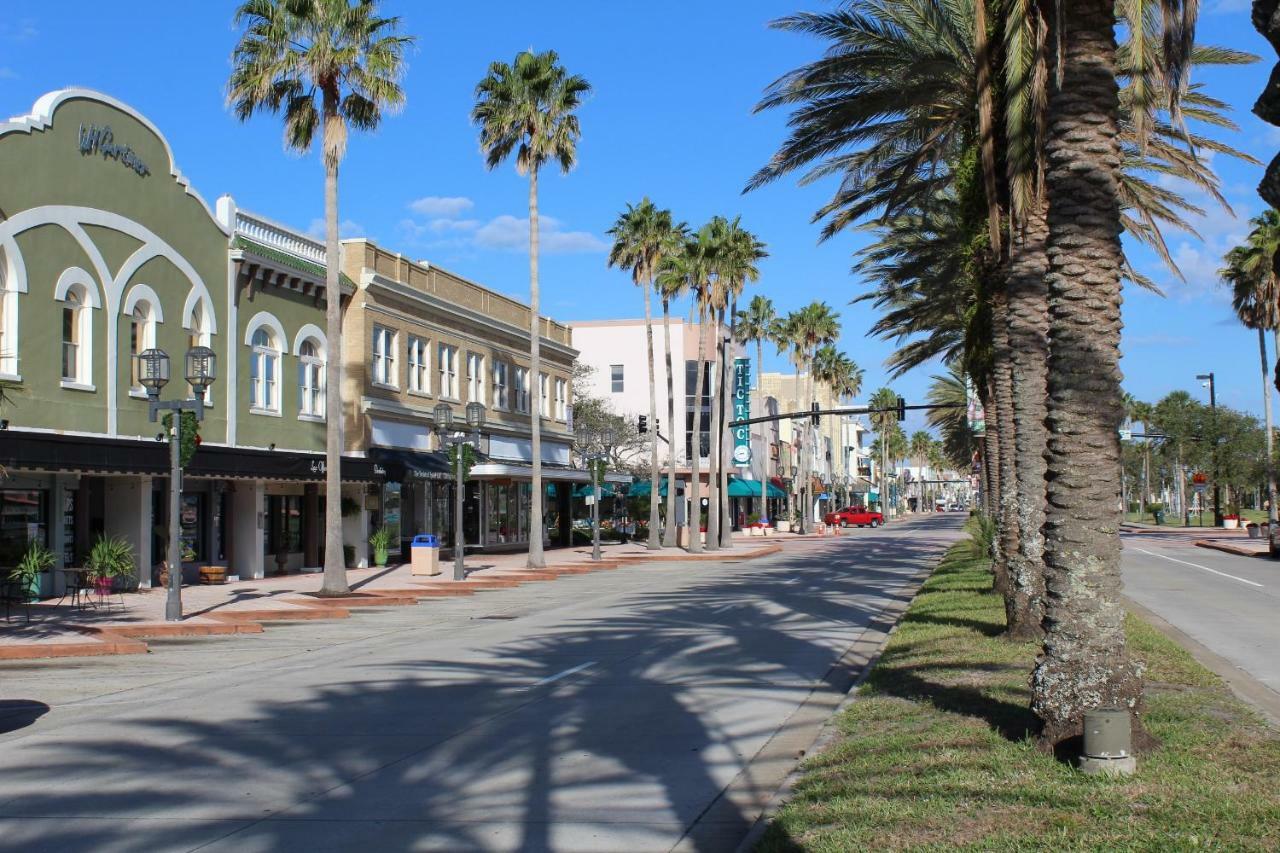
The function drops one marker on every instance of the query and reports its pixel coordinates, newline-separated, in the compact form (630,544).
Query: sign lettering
(741,411)
(100,140)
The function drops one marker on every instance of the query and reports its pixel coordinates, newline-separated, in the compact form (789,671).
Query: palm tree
(884,421)
(756,324)
(1255,295)
(328,65)
(951,418)
(736,266)
(529,107)
(643,237)
(921,442)
(690,269)
(815,324)
(1085,662)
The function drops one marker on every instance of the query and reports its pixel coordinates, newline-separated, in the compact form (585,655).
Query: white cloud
(21,30)
(503,233)
(445,207)
(346,228)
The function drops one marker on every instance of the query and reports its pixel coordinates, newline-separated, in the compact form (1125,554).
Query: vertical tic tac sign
(741,411)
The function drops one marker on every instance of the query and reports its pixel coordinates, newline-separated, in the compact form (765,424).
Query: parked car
(957,507)
(854,516)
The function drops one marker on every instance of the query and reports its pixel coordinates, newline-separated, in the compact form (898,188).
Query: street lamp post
(1213,409)
(153,373)
(458,440)
(600,451)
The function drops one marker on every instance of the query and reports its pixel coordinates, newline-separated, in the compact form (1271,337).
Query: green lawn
(1172,520)
(936,752)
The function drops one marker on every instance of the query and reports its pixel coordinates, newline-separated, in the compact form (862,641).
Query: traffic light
(644,424)
(902,409)
(813,418)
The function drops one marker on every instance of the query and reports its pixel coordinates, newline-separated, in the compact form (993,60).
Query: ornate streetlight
(458,440)
(153,373)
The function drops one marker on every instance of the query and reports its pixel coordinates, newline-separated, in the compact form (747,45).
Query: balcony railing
(268,233)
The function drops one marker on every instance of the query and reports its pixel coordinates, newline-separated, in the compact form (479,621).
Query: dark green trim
(310,268)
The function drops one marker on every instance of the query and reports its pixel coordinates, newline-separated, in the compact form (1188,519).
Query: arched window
(198,336)
(8,325)
(264,373)
(142,336)
(310,380)
(76,344)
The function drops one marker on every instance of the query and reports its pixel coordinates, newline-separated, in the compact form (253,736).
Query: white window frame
(198,336)
(264,394)
(521,384)
(501,385)
(311,381)
(475,378)
(447,357)
(419,361)
(8,327)
(386,341)
(146,340)
(562,400)
(544,395)
(82,381)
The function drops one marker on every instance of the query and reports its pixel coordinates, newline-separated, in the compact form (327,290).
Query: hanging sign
(741,411)
(977,414)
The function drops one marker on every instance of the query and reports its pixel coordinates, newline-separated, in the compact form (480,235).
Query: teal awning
(740,488)
(640,488)
(584,491)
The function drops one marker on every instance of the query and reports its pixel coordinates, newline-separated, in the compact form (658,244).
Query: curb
(1231,549)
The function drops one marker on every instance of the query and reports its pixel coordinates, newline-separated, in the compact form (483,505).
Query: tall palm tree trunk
(813,443)
(797,487)
(1029,343)
(764,460)
(335,572)
(1266,411)
(714,462)
(1085,663)
(1002,386)
(537,559)
(695,457)
(669,528)
(653,541)
(726,446)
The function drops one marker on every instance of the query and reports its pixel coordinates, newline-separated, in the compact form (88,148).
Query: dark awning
(101,455)
(403,465)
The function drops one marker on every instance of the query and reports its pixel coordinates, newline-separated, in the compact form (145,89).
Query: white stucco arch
(310,330)
(268,320)
(77,275)
(142,293)
(197,300)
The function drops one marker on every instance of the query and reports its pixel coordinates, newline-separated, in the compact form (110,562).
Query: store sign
(741,411)
(100,140)
(977,414)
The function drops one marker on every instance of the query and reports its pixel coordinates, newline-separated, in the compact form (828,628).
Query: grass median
(937,751)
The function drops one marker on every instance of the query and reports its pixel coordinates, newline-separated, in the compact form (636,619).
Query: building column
(355,527)
(312,525)
(128,516)
(247,523)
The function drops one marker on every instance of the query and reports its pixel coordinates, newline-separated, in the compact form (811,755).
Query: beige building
(414,336)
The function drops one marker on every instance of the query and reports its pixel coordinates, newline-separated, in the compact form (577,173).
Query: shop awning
(740,488)
(585,491)
(27,451)
(407,465)
(640,488)
(489,470)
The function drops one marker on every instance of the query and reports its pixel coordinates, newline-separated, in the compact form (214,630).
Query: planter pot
(784,527)
(1254,531)
(1230,523)
(379,558)
(102,586)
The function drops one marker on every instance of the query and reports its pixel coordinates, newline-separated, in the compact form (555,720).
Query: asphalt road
(1229,604)
(648,708)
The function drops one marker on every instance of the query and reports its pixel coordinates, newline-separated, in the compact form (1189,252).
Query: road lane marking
(1198,566)
(559,675)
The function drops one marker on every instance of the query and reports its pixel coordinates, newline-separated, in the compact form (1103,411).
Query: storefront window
(23,520)
(284,523)
(391,514)
(502,527)
(192,520)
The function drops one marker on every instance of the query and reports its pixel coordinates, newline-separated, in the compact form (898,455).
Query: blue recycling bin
(424,554)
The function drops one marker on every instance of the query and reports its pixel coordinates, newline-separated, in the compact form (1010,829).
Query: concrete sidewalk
(119,624)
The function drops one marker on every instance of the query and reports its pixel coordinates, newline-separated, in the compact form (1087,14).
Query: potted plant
(1232,519)
(26,575)
(110,558)
(380,542)
(1253,529)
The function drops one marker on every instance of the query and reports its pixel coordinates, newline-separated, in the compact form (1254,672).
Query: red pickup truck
(854,516)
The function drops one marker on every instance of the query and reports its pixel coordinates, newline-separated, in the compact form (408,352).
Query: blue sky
(670,117)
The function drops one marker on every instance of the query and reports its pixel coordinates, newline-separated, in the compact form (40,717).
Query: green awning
(640,488)
(583,491)
(740,488)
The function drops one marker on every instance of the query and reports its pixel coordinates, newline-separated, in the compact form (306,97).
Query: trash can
(424,553)
(1159,516)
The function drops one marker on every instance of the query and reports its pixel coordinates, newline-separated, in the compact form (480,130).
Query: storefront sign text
(100,140)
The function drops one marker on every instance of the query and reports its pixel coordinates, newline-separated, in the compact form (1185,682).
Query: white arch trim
(143,293)
(310,330)
(196,299)
(15,271)
(41,117)
(73,276)
(265,319)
